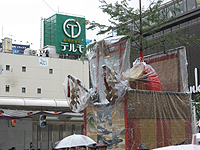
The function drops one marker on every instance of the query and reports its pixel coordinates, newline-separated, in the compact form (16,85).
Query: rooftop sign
(66,33)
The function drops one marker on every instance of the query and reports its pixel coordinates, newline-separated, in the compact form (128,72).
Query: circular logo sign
(72,27)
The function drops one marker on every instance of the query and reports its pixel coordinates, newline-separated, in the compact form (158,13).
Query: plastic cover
(108,72)
(147,103)
(76,93)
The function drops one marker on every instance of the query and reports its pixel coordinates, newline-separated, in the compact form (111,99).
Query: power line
(49,6)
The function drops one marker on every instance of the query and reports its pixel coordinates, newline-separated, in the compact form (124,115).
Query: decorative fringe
(141,56)
(106,84)
(68,89)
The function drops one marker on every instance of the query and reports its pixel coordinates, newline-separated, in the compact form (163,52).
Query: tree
(140,23)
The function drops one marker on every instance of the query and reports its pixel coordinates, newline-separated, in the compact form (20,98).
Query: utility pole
(141,49)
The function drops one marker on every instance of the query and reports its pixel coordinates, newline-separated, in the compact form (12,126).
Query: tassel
(68,88)
(141,56)
(106,84)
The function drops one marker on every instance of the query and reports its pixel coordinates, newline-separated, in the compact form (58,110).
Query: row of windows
(168,30)
(7,89)
(187,5)
(24,69)
(183,5)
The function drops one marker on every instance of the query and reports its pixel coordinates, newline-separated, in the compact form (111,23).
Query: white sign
(43,62)
(72,26)
(196,88)
(72,47)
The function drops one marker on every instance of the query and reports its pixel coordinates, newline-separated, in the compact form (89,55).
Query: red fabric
(163,132)
(141,56)
(153,81)
(68,89)
(188,130)
(134,133)
(105,82)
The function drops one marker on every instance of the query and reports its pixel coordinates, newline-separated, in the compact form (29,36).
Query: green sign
(66,33)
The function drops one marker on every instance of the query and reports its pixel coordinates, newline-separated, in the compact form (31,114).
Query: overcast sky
(21,19)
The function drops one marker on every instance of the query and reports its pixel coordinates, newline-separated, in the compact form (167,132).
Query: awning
(34,104)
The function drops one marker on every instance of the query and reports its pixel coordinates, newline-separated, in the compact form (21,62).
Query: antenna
(41,31)
(49,6)
(2,32)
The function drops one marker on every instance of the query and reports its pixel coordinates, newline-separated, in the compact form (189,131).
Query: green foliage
(88,48)
(138,24)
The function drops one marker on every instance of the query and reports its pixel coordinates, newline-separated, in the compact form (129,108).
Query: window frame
(23,68)
(50,71)
(190,6)
(39,91)
(23,89)
(7,88)
(7,67)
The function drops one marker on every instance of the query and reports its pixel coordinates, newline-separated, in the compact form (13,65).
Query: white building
(25,77)
(32,76)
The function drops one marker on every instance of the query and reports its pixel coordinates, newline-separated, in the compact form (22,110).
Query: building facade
(41,78)
(32,76)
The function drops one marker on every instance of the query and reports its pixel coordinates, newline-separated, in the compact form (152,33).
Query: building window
(182,6)
(23,90)
(39,90)
(23,69)
(50,71)
(198,3)
(8,67)
(191,4)
(170,11)
(7,88)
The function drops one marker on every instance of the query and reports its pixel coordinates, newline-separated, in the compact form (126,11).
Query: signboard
(195,89)
(43,62)
(69,35)
(18,48)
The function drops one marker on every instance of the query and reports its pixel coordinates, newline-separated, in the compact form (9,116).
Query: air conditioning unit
(33,52)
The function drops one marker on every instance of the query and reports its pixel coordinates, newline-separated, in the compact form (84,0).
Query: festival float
(128,105)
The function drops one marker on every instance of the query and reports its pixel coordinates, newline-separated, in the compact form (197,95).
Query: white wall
(38,76)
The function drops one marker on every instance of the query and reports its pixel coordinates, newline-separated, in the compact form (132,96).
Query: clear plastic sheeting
(147,103)
(171,68)
(152,118)
(143,77)
(158,119)
(76,93)
(108,59)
